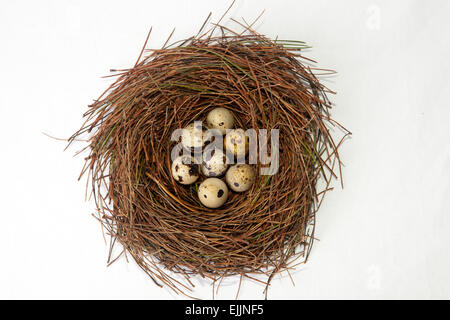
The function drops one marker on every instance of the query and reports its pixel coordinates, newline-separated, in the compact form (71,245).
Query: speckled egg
(213,193)
(193,136)
(240,177)
(220,119)
(236,142)
(184,170)
(214,163)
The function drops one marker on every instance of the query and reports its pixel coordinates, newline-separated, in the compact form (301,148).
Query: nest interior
(268,84)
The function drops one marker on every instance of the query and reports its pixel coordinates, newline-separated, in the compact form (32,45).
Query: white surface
(386,235)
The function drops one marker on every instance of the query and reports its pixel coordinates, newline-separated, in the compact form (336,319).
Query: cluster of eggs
(213,191)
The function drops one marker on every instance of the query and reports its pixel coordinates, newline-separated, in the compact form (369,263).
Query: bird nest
(267,84)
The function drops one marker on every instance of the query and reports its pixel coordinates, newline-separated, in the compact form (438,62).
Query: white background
(386,235)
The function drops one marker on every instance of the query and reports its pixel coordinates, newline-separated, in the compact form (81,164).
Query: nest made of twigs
(160,223)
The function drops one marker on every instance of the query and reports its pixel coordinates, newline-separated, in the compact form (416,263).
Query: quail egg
(214,162)
(193,136)
(240,177)
(184,170)
(213,192)
(236,142)
(221,119)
